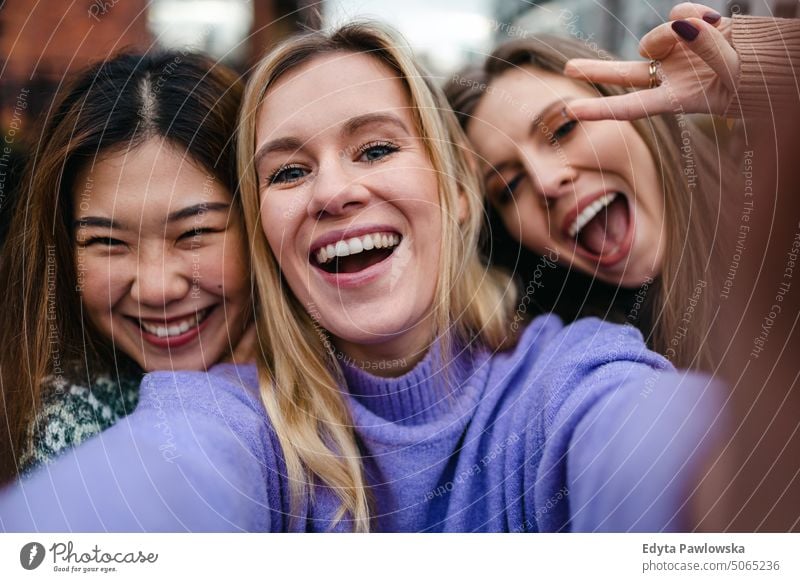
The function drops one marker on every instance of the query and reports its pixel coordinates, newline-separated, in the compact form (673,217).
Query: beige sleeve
(769,77)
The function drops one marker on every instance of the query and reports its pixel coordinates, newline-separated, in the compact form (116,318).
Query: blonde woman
(391,394)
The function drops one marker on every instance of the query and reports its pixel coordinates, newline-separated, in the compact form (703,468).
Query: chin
(630,279)
(165,363)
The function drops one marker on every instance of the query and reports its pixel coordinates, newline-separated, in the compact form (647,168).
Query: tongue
(606,231)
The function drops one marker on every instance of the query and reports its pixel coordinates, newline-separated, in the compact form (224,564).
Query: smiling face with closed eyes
(161,261)
(350,203)
(588,190)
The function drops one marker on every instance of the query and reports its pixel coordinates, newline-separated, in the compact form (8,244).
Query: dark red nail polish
(712,17)
(685,30)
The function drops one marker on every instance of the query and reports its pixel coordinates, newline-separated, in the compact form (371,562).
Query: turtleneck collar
(426,393)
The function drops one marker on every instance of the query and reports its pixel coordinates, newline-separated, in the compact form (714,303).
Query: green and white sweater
(72,412)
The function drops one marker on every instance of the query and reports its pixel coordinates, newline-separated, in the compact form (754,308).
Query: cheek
(609,145)
(527,223)
(647,183)
(103,283)
(280,220)
(222,268)
(416,195)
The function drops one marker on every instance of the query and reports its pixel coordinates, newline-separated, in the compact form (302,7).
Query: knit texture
(578,428)
(769,55)
(73,411)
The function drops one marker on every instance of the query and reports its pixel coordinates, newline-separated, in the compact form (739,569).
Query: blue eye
(287,175)
(375,151)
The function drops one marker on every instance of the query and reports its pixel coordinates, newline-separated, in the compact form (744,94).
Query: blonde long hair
(299,379)
(690,191)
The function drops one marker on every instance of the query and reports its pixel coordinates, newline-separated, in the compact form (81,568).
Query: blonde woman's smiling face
(350,202)
(588,190)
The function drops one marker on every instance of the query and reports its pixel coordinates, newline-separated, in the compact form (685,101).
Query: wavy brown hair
(186,99)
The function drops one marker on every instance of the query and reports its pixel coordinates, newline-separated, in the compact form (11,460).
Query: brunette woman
(126,253)
(622,215)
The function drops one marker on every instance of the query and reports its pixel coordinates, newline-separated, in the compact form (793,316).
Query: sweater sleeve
(636,456)
(624,434)
(194,456)
(769,53)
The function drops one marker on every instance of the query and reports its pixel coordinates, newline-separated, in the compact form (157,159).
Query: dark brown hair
(183,98)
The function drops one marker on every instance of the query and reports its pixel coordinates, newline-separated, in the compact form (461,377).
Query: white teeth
(177,328)
(355,245)
(342,249)
(590,212)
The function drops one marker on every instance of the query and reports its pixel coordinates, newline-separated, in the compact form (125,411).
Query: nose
(552,174)
(160,278)
(336,191)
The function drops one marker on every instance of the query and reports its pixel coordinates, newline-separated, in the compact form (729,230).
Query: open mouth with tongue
(601,228)
(354,254)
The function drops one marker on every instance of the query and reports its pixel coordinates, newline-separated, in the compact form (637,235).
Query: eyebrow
(283,144)
(96,221)
(197,209)
(536,121)
(182,214)
(292,144)
(356,123)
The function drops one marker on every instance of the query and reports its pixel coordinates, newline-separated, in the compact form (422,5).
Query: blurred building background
(43,41)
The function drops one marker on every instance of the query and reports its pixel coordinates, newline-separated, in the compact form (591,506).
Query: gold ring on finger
(654,80)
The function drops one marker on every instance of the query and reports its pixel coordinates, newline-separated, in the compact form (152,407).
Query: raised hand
(697,70)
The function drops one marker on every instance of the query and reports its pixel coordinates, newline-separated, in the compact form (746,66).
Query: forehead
(530,85)
(328,90)
(155,176)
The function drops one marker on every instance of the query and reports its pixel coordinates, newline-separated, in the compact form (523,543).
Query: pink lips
(177,341)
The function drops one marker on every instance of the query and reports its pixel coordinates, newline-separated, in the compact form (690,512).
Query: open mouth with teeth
(356,254)
(602,229)
(173,331)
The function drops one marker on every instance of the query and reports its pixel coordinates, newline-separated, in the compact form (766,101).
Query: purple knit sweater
(578,428)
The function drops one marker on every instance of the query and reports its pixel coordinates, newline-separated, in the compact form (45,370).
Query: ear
(463,204)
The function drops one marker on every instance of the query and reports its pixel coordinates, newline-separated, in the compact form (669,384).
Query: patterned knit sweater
(73,411)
